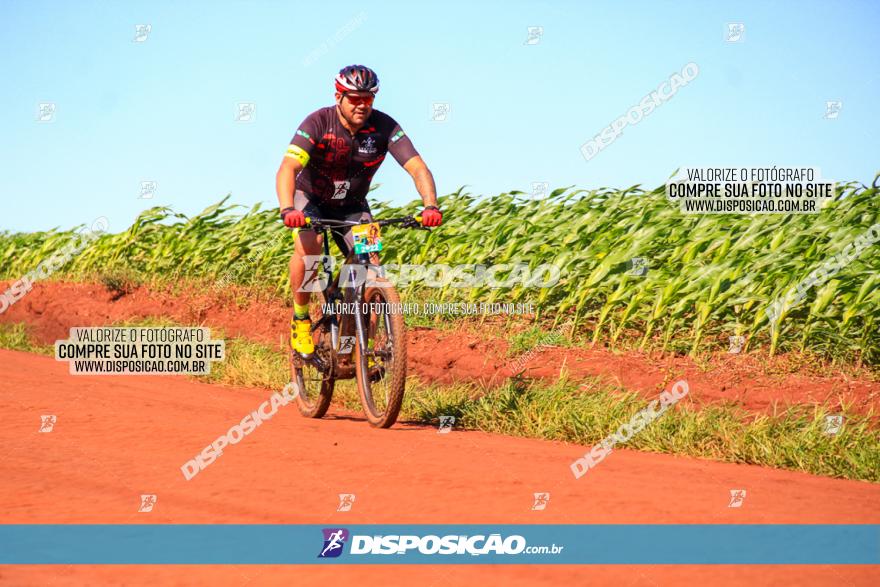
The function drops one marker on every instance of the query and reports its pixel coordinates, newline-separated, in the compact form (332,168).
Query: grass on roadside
(536,337)
(586,412)
(19,337)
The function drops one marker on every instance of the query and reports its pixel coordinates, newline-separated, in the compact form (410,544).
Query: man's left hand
(432,216)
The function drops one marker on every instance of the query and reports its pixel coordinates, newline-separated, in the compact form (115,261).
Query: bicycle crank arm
(319,364)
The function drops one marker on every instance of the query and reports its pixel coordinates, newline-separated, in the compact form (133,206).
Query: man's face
(356,106)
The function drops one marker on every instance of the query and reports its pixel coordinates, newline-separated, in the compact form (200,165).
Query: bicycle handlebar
(405,221)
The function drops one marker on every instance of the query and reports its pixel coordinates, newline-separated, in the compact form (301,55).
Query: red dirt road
(119,437)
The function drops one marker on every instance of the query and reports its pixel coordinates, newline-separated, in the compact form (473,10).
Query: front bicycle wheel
(314,379)
(381,367)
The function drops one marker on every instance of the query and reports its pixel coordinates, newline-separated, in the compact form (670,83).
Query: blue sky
(164,109)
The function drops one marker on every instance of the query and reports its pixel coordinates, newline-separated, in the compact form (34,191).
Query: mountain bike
(357,327)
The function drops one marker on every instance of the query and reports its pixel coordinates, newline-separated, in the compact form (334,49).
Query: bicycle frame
(353,295)
(344,332)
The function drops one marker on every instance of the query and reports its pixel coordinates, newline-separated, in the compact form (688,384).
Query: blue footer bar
(439,544)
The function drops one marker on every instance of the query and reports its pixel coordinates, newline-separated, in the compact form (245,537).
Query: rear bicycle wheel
(381,367)
(315,384)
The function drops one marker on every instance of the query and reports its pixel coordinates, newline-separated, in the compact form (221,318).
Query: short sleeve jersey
(338,166)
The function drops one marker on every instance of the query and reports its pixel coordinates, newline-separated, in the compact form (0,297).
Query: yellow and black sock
(300,312)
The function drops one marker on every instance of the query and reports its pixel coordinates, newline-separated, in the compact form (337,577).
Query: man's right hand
(293,218)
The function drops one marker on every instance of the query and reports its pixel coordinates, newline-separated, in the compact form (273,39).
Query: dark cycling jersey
(338,167)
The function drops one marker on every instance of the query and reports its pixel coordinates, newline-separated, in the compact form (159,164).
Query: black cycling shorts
(342,236)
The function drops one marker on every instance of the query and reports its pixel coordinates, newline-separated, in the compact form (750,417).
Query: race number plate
(366,238)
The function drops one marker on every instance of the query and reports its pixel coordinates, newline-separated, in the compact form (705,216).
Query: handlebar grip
(418,218)
(294,232)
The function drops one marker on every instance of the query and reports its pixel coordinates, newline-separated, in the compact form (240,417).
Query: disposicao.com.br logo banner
(370,544)
(429,544)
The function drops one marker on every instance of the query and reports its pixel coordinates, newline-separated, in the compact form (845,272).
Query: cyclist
(327,171)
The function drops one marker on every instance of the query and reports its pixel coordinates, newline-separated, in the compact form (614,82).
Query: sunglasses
(358,100)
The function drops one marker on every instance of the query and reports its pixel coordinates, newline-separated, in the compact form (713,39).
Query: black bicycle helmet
(357,78)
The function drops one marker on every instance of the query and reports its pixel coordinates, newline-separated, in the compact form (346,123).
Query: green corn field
(709,277)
